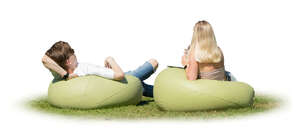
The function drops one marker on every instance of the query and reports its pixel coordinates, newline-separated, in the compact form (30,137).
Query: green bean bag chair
(173,92)
(89,92)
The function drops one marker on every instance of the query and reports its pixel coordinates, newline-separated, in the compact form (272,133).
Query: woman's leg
(143,72)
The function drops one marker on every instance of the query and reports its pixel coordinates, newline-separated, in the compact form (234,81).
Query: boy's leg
(148,90)
(145,71)
(154,63)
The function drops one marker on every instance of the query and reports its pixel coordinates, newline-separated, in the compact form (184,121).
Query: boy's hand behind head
(71,76)
(60,52)
(109,59)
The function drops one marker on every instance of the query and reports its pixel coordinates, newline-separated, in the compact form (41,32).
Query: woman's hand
(184,58)
(186,51)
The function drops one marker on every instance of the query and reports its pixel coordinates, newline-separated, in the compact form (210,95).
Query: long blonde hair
(204,44)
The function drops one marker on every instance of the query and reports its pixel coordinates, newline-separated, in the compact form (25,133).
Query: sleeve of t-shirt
(56,75)
(91,69)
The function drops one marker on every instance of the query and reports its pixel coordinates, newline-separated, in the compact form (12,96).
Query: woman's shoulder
(222,56)
(220,50)
(210,66)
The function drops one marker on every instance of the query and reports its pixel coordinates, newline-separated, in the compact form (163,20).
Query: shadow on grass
(147,109)
(144,102)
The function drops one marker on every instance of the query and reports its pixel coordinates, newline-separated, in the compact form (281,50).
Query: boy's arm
(52,65)
(112,64)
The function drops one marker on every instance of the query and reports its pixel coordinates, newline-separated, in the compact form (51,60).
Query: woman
(204,59)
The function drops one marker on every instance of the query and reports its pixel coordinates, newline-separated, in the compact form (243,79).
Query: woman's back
(212,71)
(204,59)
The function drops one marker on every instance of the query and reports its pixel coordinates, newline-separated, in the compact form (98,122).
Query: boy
(61,60)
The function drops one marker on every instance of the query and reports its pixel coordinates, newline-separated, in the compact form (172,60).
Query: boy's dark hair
(60,52)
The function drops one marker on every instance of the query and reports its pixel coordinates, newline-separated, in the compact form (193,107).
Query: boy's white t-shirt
(83,69)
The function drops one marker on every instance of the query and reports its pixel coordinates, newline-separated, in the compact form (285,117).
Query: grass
(147,109)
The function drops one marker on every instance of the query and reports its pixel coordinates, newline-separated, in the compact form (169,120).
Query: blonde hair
(204,44)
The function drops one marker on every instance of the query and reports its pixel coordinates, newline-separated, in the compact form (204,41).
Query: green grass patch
(147,109)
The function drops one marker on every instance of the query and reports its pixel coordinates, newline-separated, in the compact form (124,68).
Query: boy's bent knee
(154,63)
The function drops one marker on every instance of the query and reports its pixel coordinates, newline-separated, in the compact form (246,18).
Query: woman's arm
(112,64)
(192,67)
(184,58)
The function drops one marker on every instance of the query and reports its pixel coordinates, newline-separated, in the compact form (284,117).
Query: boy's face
(72,62)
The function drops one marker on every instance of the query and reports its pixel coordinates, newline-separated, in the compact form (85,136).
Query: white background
(260,41)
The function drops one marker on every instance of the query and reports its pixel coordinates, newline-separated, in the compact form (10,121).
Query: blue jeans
(229,76)
(143,72)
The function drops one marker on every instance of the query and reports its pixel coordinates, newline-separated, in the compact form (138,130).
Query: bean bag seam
(116,93)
